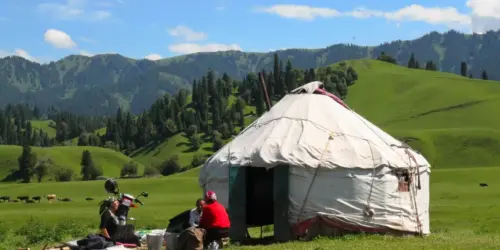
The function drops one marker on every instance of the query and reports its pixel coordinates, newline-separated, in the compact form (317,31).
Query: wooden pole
(264,91)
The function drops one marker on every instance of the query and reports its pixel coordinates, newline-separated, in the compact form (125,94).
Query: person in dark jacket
(109,222)
(214,219)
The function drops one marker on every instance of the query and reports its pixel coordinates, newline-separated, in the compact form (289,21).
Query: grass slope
(44,126)
(449,118)
(179,145)
(110,161)
(463,215)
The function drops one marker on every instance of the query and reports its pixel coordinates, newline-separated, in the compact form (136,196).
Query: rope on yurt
(412,195)
(368,202)
(413,191)
(330,138)
(411,157)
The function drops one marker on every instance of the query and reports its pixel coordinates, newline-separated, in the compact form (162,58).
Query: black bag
(95,241)
(126,234)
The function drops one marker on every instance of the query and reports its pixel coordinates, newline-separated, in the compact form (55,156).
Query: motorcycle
(126,201)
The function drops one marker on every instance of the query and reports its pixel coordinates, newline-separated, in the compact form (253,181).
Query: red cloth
(214,215)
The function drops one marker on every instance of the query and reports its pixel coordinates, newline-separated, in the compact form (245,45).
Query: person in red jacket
(214,219)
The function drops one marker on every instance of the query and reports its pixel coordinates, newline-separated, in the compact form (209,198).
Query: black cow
(89,199)
(23,197)
(37,198)
(483,184)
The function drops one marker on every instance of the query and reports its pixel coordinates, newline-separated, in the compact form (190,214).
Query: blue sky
(45,30)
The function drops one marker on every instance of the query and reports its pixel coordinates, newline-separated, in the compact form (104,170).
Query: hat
(210,195)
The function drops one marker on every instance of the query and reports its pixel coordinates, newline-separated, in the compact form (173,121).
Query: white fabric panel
(344,193)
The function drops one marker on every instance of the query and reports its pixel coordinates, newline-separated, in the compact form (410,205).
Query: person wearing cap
(214,219)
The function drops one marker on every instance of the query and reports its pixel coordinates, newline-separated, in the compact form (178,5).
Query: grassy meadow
(463,214)
(449,118)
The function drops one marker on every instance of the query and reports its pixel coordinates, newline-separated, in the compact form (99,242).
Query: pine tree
(463,69)
(27,162)
(89,170)
(412,63)
(484,75)
(290,78)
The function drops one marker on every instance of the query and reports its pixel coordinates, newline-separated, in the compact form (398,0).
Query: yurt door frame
(242,207)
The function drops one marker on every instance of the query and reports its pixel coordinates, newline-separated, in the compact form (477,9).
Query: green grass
(451,118)
(177,144)
(110,161)
(463,215)
(44,126)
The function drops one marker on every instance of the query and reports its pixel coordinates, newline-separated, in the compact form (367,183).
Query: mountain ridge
(103,83)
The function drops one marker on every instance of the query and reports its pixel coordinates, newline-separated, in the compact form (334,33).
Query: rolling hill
(111,162)
(449,118)
(102,83)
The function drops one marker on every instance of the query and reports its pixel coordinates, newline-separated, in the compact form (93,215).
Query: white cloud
(485,8)
(188,48)
(19,52)
(153,57)
(449,16)
(86,53)
(302,12)
(58,39)
(73,10)
(187,33)
(485,15)
(86,39)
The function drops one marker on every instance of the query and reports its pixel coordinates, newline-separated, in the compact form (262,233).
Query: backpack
(191,239)
(95,241)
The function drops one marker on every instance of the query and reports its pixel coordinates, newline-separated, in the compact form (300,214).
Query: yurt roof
(312,130)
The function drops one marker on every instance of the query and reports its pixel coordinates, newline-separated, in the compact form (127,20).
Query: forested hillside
(99,85)
(192,125)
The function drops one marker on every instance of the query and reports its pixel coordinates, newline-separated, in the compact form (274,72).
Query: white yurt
(345,174)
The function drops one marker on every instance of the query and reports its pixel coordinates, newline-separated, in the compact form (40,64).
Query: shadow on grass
(13,175)
(145,150)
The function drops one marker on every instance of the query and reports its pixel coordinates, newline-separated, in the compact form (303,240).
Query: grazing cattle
(23,197)
(51,197)
(14,201)
(29,201)
(36,198)
(64,199)
(5,198)
(89,199)
(483,184)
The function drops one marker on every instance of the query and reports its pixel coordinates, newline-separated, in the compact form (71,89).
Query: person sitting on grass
(109,222)
(195,214)
(214,219)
